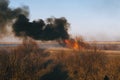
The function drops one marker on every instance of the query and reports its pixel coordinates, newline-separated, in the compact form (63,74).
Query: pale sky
(93,19)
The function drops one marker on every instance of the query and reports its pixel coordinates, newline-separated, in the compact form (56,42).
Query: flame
(74,44)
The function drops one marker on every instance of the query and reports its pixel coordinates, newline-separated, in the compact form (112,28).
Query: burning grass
(29,62)
(77,44)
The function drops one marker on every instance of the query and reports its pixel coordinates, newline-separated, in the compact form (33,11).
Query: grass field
(105,42)
(28,62)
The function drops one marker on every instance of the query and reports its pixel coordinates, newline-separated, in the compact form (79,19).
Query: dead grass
(29,62)
(105,42)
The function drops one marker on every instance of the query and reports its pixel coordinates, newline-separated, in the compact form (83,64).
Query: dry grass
(28,62)
(112,53)
(105,42)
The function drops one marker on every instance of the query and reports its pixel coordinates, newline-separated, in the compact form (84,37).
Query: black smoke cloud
(7,14)
(51,29)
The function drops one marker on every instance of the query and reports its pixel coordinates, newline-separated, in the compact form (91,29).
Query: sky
(92,19)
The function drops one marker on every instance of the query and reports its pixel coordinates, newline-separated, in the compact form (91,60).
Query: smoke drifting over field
(7,14)
(52,28)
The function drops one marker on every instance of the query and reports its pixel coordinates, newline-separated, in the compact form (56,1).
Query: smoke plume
(52,28)
(7,14)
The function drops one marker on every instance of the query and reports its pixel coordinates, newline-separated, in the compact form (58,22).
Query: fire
(74,44)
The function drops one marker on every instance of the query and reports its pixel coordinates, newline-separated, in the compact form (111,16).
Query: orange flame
(76,45)
(73,44)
